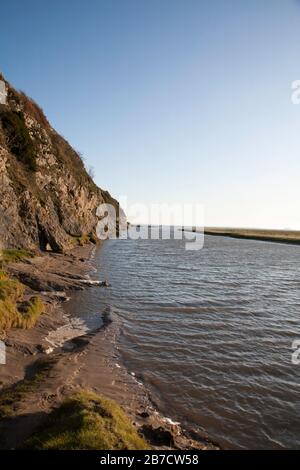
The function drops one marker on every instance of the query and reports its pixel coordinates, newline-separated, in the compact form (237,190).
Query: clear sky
(170,100)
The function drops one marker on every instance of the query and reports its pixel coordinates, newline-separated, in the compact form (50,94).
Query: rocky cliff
(47,198)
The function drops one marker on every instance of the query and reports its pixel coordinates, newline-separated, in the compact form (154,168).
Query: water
(209,332)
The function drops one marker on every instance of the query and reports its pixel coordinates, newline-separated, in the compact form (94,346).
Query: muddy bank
(50,276)
(75,359)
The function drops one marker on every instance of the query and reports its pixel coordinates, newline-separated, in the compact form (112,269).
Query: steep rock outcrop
(47,198)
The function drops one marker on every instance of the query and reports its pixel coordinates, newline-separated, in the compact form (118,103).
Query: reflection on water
(209,332)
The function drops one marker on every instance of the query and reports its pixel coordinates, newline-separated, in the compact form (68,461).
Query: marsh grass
(87,421)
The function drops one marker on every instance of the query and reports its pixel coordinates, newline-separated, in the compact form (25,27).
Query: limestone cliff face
(47,199)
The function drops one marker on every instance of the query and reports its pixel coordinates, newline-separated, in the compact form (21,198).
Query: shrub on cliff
(33,109)
(18,138)
(30,107)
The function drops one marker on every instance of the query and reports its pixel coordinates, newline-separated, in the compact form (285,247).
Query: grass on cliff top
(13,313)
(29,106)
(87,421)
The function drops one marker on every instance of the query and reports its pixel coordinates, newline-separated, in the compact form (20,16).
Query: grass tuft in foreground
(87,421)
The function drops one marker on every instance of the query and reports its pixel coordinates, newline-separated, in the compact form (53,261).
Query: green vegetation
(14,256)
(18,138)
(13,312)
(87,421)
(11,397)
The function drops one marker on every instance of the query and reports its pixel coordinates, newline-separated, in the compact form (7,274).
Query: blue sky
(170,100)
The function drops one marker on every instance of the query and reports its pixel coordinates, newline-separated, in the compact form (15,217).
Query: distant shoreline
(291,237)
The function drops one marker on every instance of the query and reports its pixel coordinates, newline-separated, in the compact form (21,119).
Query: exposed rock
(41,274)
(48,200)
(158,436)
(44,349)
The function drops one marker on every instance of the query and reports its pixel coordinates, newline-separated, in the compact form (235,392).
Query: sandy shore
(75,359)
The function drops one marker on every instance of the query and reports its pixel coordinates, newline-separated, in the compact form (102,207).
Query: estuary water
(208,332)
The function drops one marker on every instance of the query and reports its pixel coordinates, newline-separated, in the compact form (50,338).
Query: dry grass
(28,104)
(10,288)
(87,421)
(13,314)
(32,310)
(71,162)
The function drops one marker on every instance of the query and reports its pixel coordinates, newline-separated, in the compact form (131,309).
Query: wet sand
(78,359)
